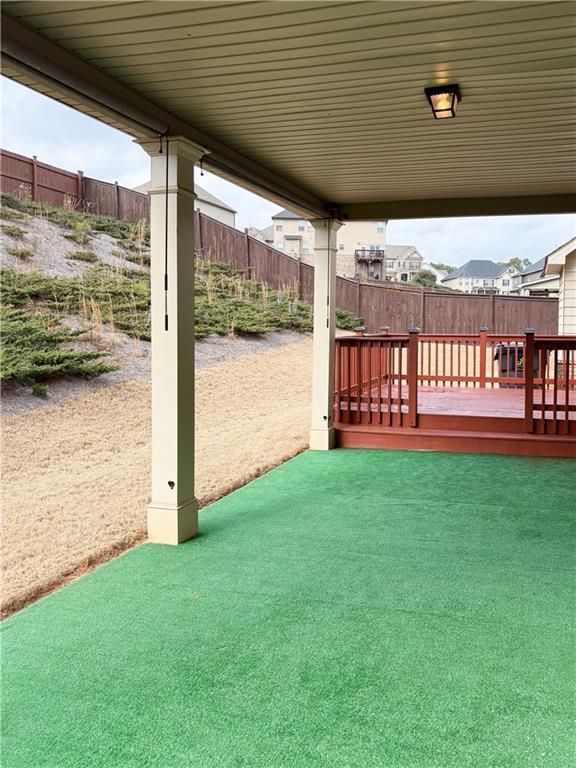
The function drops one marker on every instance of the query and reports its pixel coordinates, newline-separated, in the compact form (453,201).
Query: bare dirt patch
(75,474)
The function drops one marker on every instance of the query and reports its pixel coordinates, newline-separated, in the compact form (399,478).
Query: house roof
(481,268)
(557,258)
(208,197)
(286,215)
(538,266)
(401,251)
(201,193)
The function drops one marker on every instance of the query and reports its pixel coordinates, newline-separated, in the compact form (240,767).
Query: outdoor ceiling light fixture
(443,100)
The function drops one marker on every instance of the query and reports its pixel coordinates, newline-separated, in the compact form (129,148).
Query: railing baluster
(412,375)
(529,382)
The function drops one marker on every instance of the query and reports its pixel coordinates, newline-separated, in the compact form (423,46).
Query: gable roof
(556,260)
(208,197)
(201,193)
(481,268)
(286,215)
(401,251)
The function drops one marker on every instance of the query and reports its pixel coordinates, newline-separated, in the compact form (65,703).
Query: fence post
(529,380)
(80,189)
(423,310)
(493,312)
(483,347)
(248,260)
(412,376)
(34,178)
(117,199)
(300,293)
(358,298)
(199,244)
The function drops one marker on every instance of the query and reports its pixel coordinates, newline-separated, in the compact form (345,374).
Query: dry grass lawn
(75,475)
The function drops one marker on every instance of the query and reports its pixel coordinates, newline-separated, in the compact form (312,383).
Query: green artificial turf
(353,608)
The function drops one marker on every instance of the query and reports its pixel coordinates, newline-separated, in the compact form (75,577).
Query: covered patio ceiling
(320,105)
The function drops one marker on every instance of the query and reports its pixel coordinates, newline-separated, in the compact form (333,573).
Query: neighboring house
(362,249)
(403,262)
(295,236)
(482,276)
(265,235)
(206,203)
(534,282)
(562,263)
(439,274)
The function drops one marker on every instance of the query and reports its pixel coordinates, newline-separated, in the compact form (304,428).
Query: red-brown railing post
(529,379)
(483,345)
(383,354)
(412,376)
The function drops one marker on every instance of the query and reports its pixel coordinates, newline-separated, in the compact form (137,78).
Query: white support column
(325,250)
(173,510)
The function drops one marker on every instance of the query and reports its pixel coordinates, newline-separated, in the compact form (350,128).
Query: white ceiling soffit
(326,98)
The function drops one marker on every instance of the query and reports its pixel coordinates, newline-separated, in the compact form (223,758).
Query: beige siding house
(562,262)
(362,249)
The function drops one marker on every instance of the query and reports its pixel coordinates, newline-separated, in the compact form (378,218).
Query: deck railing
(550,396)
(377,377)
(371,374)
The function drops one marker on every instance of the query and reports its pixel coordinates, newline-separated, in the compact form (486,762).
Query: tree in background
(425,277)
(442,267)
(517,262)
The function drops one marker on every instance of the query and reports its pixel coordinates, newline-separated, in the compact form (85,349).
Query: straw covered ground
(75,474)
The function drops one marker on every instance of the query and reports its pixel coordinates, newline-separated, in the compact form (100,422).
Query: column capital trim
(332,224)
(173,190)
(178,146)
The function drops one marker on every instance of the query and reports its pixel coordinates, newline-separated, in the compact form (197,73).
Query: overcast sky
(35,125)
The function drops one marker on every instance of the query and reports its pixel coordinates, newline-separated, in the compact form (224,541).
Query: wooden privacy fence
(27,177)
(378,377)
(396,306)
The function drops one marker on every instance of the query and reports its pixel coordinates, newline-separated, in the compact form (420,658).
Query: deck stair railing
(377,377)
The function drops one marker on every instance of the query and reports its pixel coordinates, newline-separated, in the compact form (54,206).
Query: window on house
(341,247)
(309,228)
(278,227)
(305,248)
(414,265)
(390,264)
(380,227)
(301,226)
(505,282)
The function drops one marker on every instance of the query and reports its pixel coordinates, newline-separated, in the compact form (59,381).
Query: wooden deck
(386,397)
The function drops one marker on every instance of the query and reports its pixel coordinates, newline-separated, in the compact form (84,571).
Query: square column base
(322,439)
(172,525)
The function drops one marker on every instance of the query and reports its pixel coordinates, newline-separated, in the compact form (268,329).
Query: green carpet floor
(354,608)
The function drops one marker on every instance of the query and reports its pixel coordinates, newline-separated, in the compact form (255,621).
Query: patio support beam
(459,206)
(322,434)
(173,510)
